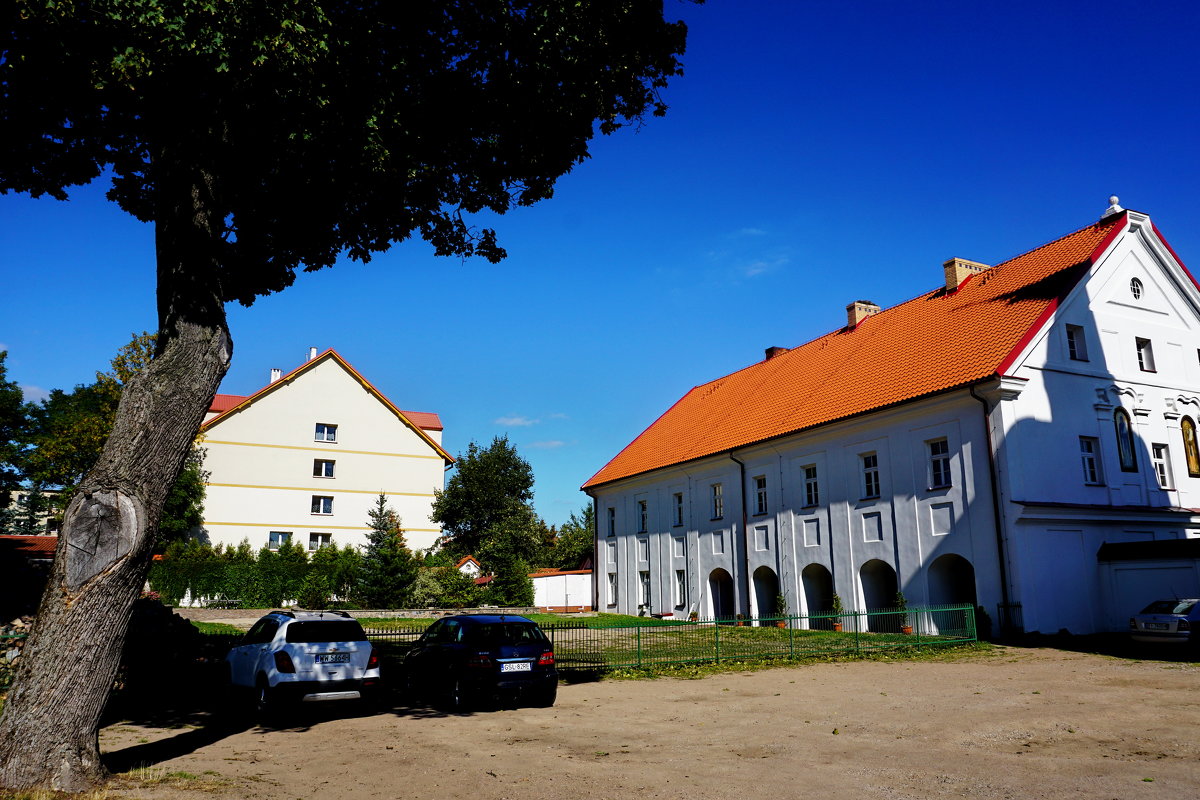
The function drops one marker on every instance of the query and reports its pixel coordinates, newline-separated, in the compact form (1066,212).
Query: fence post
(639,646)
(717,635)
(857,633)
(791,623)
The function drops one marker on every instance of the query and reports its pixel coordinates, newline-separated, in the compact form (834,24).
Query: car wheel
(265,704)
(457,696)
(546,697)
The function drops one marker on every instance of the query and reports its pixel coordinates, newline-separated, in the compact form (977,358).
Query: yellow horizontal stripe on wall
(321,490)
(327,450)
(289,526)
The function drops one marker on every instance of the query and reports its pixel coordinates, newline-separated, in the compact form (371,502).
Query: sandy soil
(1023,723)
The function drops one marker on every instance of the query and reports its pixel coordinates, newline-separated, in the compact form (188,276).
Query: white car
(304,656)
(1166,621)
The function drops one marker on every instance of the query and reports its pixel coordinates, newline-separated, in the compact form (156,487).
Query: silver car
(1169,621)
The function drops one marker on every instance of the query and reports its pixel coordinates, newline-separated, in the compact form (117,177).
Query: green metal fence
(581,648)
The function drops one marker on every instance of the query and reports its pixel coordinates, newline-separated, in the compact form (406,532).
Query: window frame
(612,588)
(870,476)
(1160,457)
(329,428)
(760,495)
(677,509)
(1076,343)
(718,500)
(318,502)
(1093,470)
(279,538)
(644,596)
(612,521)
(1145,354)
(680,588)
(325,540)
(940,474)
(643,512)
(812,486)
(329,462)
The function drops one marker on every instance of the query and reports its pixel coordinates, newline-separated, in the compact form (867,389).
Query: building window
(643,548)
(1188,427)
(677,509)
(760,494)
(1145,352)
(1089,452)
(680,547)
(612,588)
(718,501)
(812,492)
(680,588)
(644,588)
(318,540)
(939,464)
(1162,465)
(1076,343)
(1135,289)
(277,539)
(322,504)
(612,521)
(643,516)
(322,468)
(326,432)
(1124,431)
(870,472)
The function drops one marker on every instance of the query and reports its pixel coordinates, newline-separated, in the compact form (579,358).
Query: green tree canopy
(576,539)
(13,434)
(488,486)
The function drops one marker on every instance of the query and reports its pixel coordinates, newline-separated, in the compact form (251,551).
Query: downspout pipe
(745,533)
(1001,548)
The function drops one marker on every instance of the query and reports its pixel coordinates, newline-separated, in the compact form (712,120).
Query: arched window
(1190,449)
(1124,431)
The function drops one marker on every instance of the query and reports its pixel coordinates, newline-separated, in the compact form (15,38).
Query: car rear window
(337,631)
(1169,607)
(505,633)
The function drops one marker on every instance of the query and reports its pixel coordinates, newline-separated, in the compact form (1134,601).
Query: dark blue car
(470,659)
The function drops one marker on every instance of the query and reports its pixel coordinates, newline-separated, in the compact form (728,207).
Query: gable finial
(1113,207)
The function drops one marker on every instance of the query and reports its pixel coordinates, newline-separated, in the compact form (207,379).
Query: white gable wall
(1057,521)
(261,464)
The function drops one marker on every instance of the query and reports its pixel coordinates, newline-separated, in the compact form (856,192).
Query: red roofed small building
(976,444)
(305,457)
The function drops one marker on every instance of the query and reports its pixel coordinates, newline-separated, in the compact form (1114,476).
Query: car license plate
(515,666)
(333,658)
(1157,626)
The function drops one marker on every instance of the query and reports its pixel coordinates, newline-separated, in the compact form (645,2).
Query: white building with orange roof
(305,458)
(1022,437)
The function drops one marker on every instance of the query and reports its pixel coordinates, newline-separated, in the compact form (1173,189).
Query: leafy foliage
(389,568)
(488,486)
(576,539)
(13,434)
(324,127)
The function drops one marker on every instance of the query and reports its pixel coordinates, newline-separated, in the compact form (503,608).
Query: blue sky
(814,154)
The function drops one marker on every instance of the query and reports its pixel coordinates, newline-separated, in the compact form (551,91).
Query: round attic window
(1135,288)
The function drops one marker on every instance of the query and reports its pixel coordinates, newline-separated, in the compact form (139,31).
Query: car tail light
(373,661)
(283,662)
(1184,625)
(480,661)
(547,659)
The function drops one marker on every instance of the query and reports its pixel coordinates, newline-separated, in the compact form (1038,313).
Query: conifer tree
(388,566)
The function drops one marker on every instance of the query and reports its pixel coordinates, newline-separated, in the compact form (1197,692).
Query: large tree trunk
(49,728)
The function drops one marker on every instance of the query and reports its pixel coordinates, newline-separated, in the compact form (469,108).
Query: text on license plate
(1157,626)
(333,658)
(515,666)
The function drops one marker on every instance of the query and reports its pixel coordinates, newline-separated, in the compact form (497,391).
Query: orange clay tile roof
(29,546)
(223,402)
(932,343)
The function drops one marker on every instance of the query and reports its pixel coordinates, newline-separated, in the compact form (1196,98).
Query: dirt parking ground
(1020,723)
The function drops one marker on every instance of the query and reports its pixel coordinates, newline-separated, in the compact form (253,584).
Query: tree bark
(50,724)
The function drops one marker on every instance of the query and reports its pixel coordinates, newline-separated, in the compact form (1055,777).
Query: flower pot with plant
(902,607)
(740,620)
(837,609)
(781,610)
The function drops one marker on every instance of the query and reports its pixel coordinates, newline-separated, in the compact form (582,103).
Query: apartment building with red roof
(304,459)
(976,444)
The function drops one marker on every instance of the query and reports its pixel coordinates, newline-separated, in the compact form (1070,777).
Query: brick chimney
(771,352)
(959,269)
(859,310)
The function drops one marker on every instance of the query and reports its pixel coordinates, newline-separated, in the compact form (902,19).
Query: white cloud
(762,266)
(34,394)
(752,232)
(559,415)
(548,445)
(516,421)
